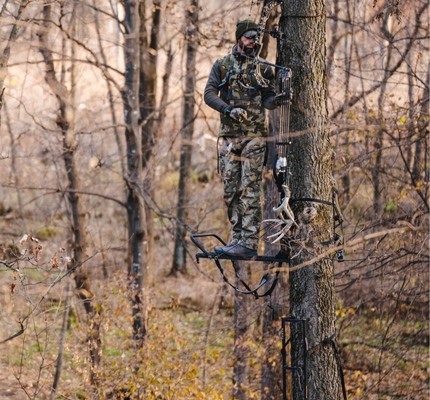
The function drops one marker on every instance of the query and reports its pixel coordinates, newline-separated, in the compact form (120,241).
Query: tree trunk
(4,57)
(312,295)
(165,90)
(271,371)
(179,257)
(110,94)
(346,179)
(15,175)
(148,78)
(147,97)
(241,326)
(64,327)
(411,113)
(425,132)
(423,127)
(65,123)
(334,39)
(363,90)
(377,203)
(135,206)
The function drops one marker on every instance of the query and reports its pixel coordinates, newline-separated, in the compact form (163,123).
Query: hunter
(232,91)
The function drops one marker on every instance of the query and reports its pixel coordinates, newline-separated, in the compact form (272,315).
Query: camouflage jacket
(228,71)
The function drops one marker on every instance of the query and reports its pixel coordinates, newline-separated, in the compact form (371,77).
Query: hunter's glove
(238,114)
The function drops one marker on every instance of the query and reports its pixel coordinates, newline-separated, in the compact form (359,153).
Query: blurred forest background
(103,167)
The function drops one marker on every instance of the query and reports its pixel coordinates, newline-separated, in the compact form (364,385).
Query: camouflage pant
(242,162)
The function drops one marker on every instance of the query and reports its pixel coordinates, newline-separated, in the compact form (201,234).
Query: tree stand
(306,353)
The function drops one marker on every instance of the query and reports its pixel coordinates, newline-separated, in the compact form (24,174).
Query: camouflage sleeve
(211,90)
(268,94)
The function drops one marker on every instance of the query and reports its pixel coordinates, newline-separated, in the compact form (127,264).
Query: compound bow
(281,170)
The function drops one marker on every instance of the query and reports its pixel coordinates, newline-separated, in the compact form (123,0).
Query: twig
(207,335)
(349,245)
(54,190)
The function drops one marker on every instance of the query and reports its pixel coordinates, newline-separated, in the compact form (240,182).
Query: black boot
(223,249)
(239,251)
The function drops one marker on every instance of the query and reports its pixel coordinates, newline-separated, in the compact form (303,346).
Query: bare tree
(65,124)
(135,203)
(179,257)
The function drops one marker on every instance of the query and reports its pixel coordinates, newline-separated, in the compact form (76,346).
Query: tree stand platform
(280,258)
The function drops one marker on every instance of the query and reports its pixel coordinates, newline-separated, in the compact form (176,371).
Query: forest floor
(191,334)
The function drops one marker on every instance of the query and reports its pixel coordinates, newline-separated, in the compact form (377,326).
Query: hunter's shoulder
(223,60)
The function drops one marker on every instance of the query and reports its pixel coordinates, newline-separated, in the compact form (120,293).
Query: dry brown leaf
(37,252)
(12,288)
(54,262)
(33,239)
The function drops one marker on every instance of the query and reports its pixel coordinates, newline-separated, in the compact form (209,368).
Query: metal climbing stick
(285,367)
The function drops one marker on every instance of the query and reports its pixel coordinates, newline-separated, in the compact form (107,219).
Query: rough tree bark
(65,124)
(312,295)
(179,257)
(133,134)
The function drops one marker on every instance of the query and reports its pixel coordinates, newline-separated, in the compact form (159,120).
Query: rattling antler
(289,221)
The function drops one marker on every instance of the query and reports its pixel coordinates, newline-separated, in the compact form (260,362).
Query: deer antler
(285,207)
(279,211)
